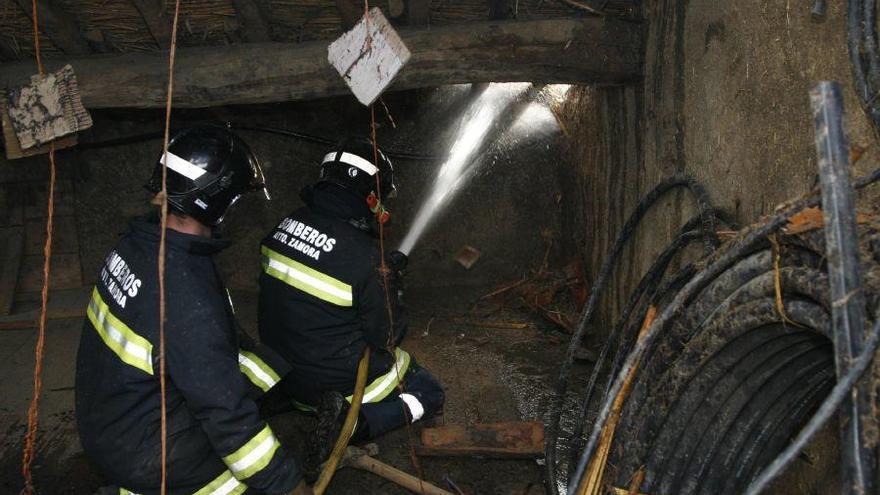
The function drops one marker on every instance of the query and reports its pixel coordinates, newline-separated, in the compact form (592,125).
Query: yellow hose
(347,427)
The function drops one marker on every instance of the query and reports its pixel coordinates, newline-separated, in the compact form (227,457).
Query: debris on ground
(467,256)
(556,295)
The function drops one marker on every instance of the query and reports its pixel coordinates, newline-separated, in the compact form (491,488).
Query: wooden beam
(580,51)
(58,25)
(158,22)
(350,12)
(418,12)
(7,52)
(252,23)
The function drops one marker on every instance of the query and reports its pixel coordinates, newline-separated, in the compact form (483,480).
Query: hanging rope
(34,408)
(163,201)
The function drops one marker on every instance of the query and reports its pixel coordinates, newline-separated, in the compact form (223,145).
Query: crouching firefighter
(323,301)
(216,442)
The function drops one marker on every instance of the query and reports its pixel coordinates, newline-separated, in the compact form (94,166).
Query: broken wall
(724,99)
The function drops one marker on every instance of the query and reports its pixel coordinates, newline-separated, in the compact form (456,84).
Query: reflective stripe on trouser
(306,279)
(225,484)
(254,455)
(122,340)
(257,371)
(382,386)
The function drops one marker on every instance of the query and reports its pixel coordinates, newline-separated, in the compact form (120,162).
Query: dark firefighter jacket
(322,298)
(214,429)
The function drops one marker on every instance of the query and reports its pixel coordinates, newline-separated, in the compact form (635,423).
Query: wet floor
(489,375)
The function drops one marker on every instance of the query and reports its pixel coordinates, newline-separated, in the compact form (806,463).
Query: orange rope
(34,408)
(383,269)
(161,264)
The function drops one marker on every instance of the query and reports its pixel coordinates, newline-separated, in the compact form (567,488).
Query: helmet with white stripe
(209,168)
(353,165)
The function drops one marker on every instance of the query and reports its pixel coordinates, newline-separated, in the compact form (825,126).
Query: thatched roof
(113,26)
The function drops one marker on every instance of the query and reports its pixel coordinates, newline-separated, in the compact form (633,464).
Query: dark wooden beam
(252,23)
(7,52)
(500,9)
(58,25)
(418,12)
(350,11)
(158,21)
(581,51)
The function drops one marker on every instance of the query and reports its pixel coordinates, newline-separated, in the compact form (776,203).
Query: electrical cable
(647,284)
(863,55)
(826,411)
(278,131)
(705,208)
(750,238)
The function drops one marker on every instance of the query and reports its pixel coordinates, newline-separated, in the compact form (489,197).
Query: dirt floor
(489,375)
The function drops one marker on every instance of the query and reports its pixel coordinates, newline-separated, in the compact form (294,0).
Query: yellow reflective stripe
(225,484)
(123,491)
(253,455)
(308,280)
(257,371)
(129,346)
(381,387)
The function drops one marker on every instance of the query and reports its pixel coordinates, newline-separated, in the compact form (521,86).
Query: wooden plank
(158,21)
(10,262)
(252,23)
(58,25)
(69,303)
(496,440)
(577,51)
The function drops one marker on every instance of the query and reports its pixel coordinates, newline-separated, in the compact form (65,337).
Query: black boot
(331,416)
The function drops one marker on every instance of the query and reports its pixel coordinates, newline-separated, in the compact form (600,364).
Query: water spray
(460,165)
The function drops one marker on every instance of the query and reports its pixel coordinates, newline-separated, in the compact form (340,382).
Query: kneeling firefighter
(216,442)
(323,301)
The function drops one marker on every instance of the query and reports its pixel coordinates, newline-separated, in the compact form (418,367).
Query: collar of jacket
(332,200)
(148,229)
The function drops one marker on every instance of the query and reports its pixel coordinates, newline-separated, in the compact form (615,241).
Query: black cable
(278,131)
(750,238)
(705,208)
(828,408)
(647,284)
(863,55)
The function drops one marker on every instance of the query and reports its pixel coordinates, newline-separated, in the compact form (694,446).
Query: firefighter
(216,441)
(323,301)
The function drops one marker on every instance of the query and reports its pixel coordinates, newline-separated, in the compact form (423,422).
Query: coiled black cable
(748,240)
(705,209)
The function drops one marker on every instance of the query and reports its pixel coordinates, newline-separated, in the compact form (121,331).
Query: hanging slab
(369,56)
(13,147)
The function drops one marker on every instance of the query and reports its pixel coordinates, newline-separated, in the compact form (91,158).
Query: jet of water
(460,164)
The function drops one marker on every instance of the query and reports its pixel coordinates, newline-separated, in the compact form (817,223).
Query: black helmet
(209,168)
(351,165)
